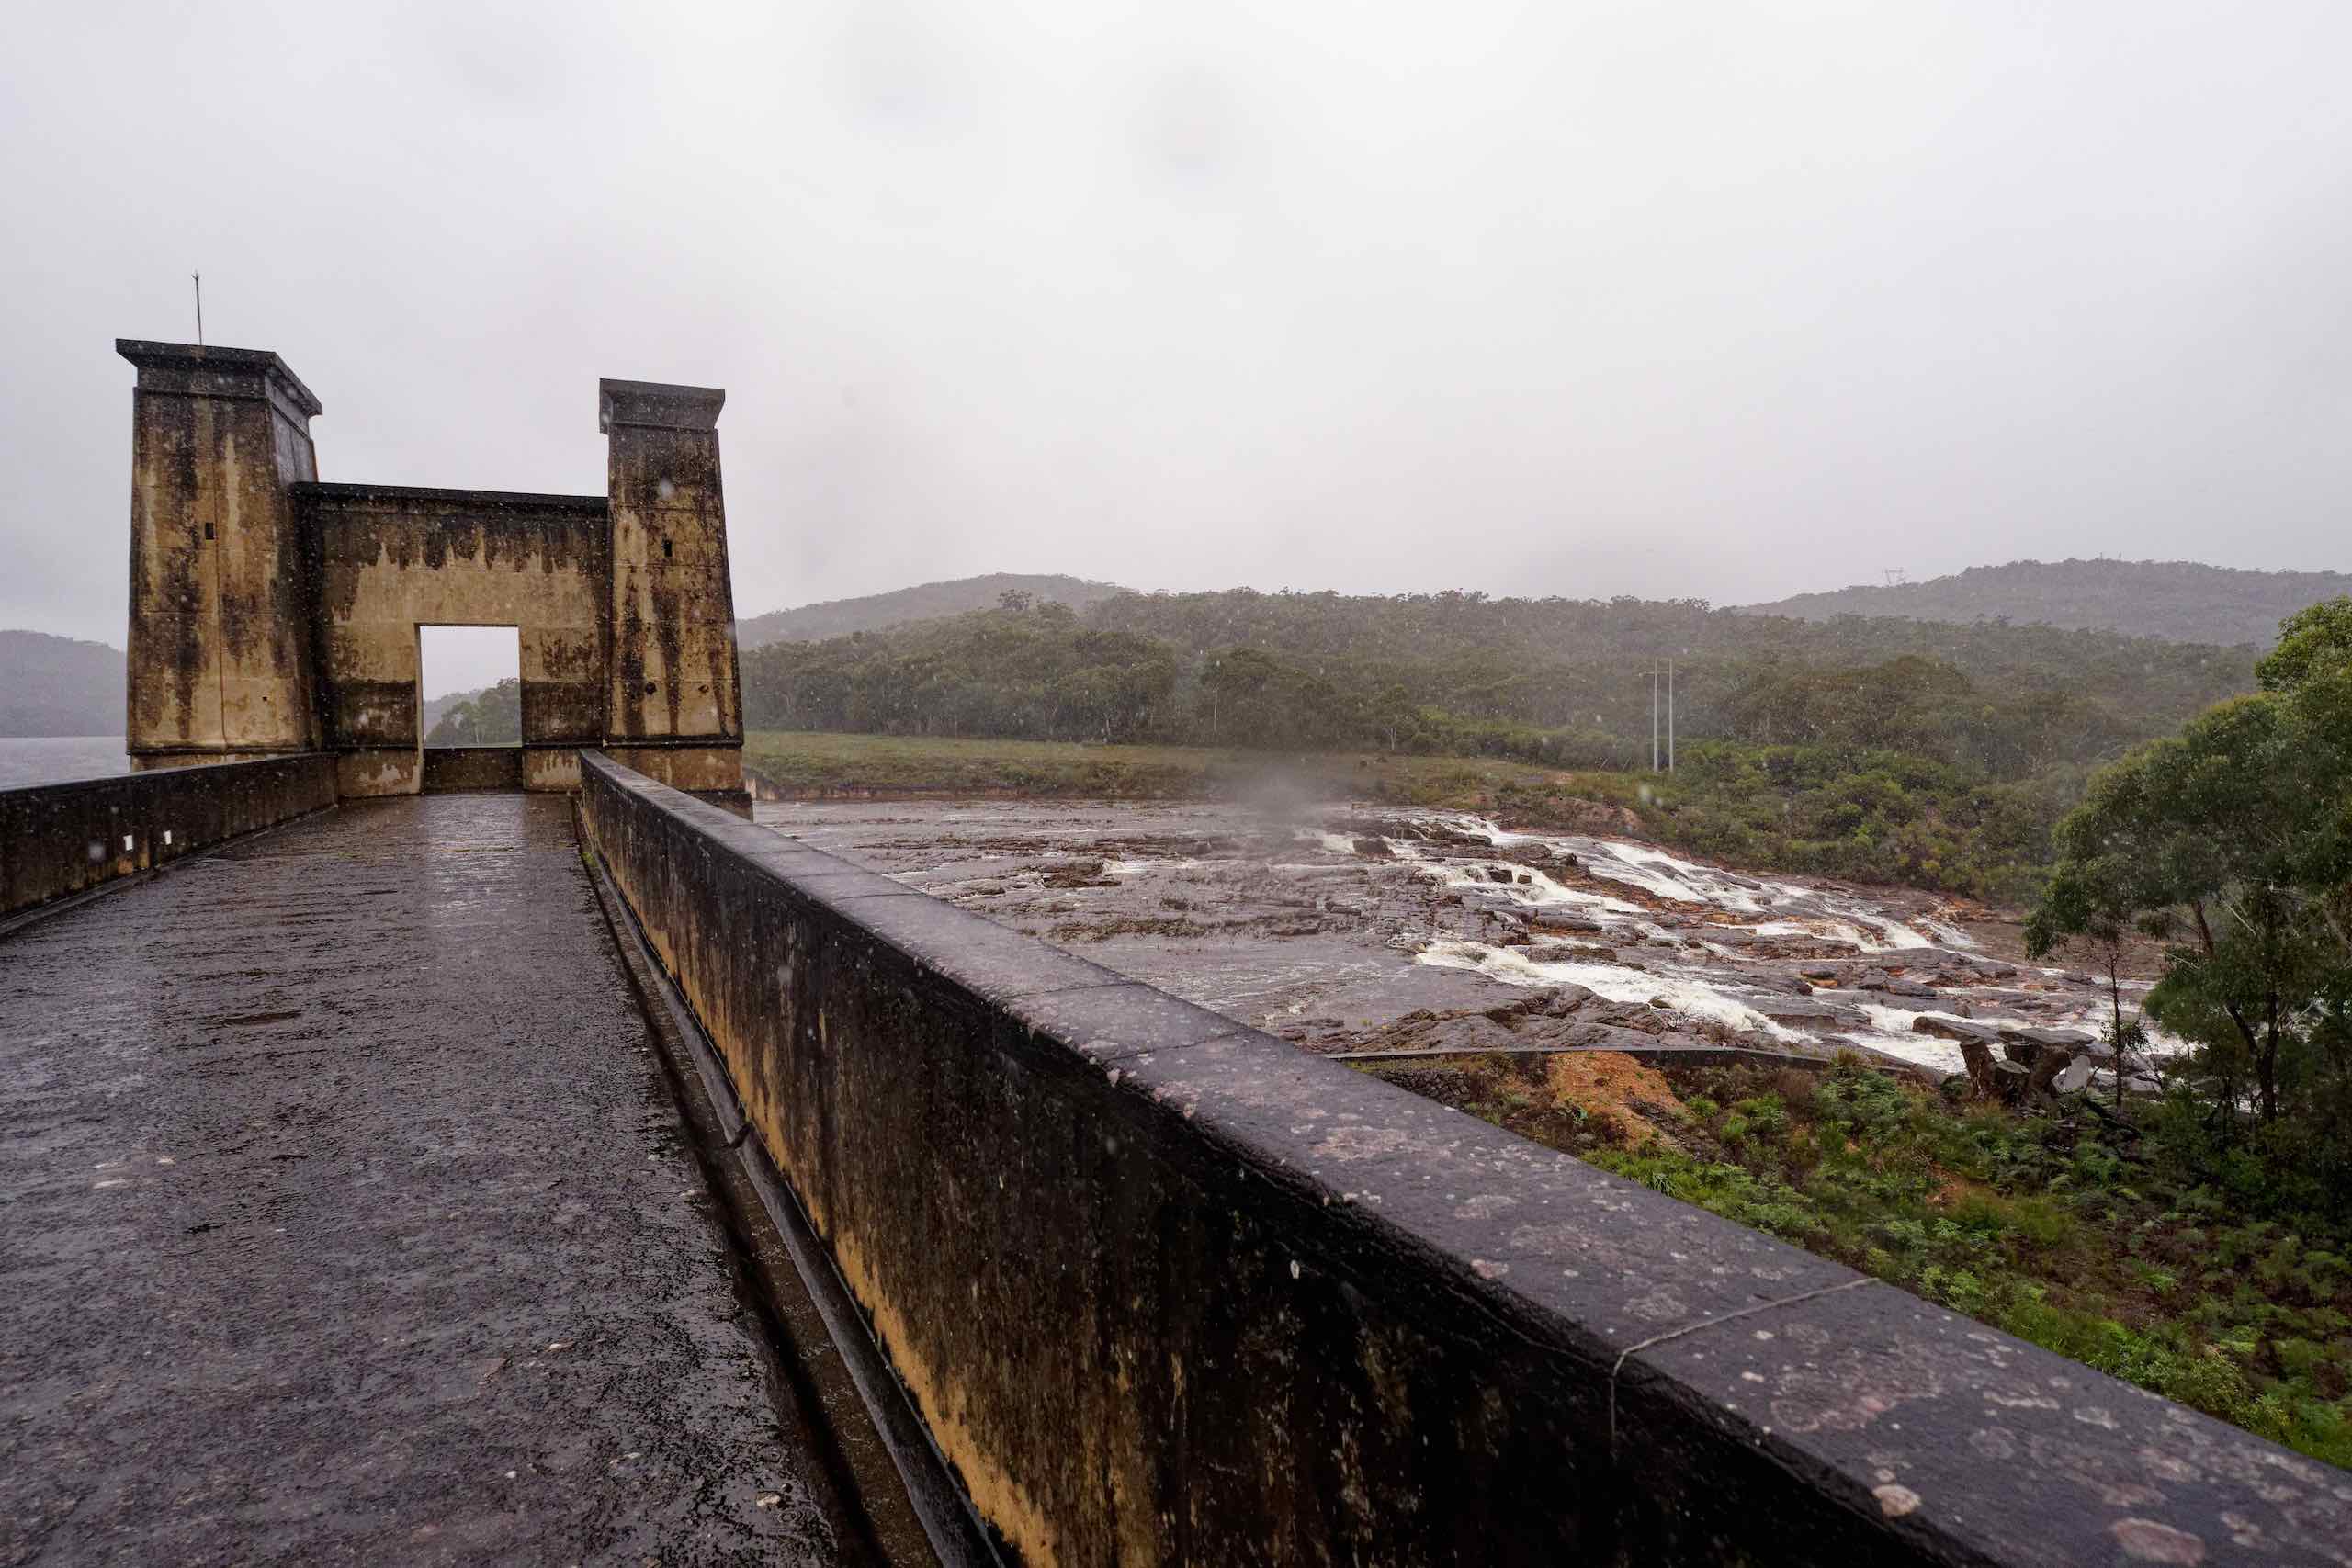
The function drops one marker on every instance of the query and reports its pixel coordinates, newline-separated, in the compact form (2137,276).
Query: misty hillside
(929,601)
(58,685)
(1454,672)
(2178,601)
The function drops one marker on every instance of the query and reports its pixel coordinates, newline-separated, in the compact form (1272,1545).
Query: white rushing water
(1687,995)
(1717,909)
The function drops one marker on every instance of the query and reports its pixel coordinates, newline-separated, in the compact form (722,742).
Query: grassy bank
(2083,1235)
(821,763)
(818,763)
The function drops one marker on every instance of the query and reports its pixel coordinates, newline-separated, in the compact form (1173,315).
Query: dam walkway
(385,1181)
(346,1215)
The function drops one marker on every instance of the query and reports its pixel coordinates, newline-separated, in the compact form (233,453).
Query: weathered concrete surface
(674,671)
(393,557)
(342,1217)
(715,772)
(220,657)
(58,840)
(1170,1289)
(472,767)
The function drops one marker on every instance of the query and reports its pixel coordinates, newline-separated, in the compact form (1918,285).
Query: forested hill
(929,601)
(1460,670)
(2178,601)
(1583,663)
(491,716)
(57,685)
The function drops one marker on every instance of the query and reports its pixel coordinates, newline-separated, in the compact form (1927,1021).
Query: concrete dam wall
(1165,1288)
(272,615)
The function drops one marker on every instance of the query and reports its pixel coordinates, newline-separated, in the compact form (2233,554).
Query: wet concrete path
(345,1216)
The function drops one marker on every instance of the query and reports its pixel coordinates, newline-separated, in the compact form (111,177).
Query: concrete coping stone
(265,368)
(411,497)
(658,404)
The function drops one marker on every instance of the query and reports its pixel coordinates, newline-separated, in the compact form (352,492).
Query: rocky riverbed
(1347,930)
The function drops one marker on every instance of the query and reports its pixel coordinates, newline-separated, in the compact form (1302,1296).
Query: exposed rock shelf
(1344,931)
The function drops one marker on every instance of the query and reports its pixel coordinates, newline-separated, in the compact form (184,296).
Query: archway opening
(470,686)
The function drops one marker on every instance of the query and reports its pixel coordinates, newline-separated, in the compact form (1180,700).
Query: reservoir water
(59,759)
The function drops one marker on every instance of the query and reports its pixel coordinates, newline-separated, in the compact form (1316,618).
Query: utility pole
(1669,716)
(1653,716)
(197,279)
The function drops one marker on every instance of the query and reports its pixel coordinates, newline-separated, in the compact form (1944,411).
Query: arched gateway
(271,614)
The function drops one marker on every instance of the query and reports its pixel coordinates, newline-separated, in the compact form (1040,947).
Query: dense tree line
(491,716)
(1556,681)
(1572,663)
(2231,842)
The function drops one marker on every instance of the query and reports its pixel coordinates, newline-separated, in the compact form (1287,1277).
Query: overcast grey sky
(1731,300)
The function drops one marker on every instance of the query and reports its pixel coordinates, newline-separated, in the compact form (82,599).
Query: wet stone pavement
(345,1216)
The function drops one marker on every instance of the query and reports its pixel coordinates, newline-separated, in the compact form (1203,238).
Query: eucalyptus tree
(2234,837)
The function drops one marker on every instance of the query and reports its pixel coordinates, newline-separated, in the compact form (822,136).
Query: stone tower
(220,652)
(674,710)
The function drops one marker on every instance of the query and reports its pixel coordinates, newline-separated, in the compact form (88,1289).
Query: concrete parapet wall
(1167,1290)
(57,840)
